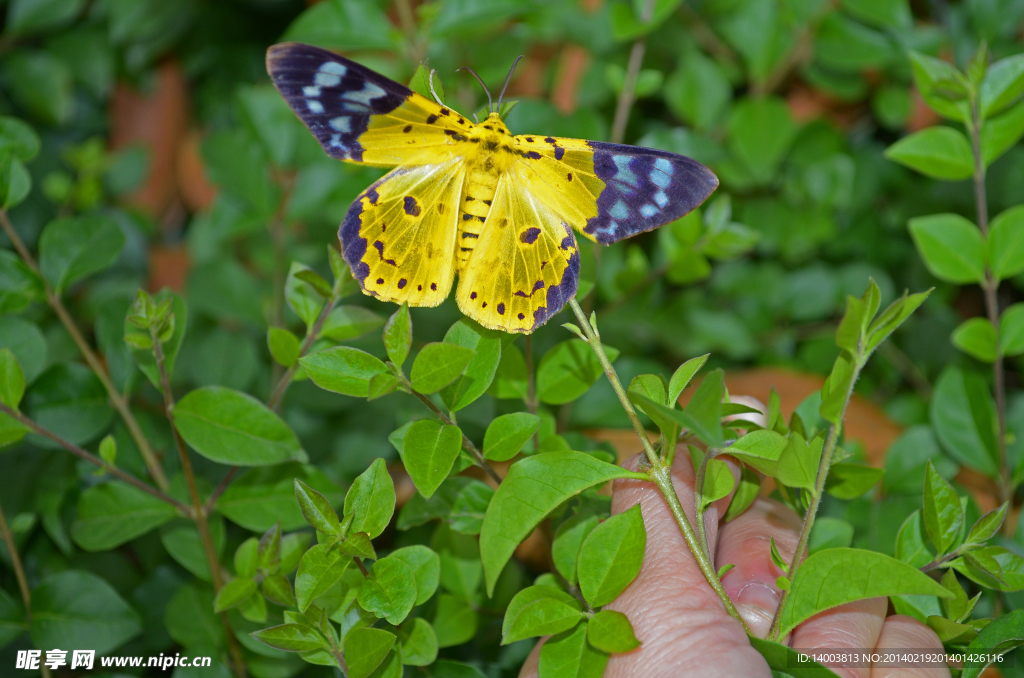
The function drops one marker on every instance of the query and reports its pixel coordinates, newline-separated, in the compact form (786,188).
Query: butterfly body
(501,211)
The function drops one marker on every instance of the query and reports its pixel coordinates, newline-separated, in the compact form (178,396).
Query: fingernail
(757,603)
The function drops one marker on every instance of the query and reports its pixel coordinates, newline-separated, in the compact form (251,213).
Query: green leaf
(611,556)
(759,449)
(77,609)
(993,567)
(539,611)
(245,558)
(830,533)
(12,619)
(565,549)
(425,566)
(1011,330)
(798,464)
(390,590)
(343,369)
(17,136)
(302,296)
(977,338)
(262,496)
(705,408)
(784,661)
(19,286)
(278,590)
(937,152)
(428,452)
(892,317)
(1006,243)
(42,84)
(468,508)
(951,246)
(1000,134)
(419,643)
(365,649)
(837,389)
(371,499)
(321,567)
(113,513)
(234,593)
(987,526)
(760,133)
(849,481)
(568,370)
(230,427)
(931,75)
(963,416)
(611,632)
(317,510)
(183,543)
(348,322)
(943,515)
(343,24)
(479,373)
(999,637)
(455,622)
(1003,84)
(32,16)
(437,365)
(836,576)
(698,91)
(569,654)
(398,335)
(718,478)
(746,492)
(461,566)
(682,376)
(381,385)
(507,434)
(533,488)
(291,638)
(421,83)
(15,181)
(284,346)
(12,379)
(72,248)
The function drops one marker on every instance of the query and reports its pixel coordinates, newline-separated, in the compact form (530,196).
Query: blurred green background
(159,114)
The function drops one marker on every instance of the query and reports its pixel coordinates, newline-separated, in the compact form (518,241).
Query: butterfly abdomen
(492,152)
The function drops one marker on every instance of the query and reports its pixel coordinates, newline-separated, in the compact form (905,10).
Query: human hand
(683,627)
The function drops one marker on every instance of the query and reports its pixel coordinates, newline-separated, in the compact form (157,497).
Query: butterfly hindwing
(618,191)
(358,115)
(399,235)
(526,264)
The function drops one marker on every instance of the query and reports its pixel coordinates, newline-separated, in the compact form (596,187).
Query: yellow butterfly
(472,199)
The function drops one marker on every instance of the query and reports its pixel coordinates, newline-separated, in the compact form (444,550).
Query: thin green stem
(990,286)
(93,459)
(660,472)
(628,95)
(311,336)
(199,514)
(819,489)
(153,466)
(19,574)
(467,444)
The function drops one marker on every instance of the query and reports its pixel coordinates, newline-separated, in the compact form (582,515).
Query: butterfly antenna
(490,103)
(508,79)
(430,81)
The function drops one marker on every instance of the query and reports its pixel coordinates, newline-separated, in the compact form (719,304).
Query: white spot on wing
(333,67)
(311,91)
(327,79)
(619,210)
(664,165)
(342,124)
(368,93)
(648,210)
(661,198)
(314,106)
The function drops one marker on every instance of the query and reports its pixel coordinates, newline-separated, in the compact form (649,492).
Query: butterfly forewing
(617,190)
(358,115)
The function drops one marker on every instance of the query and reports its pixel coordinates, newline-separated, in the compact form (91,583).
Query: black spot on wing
(333,96)
(644,188)
(412,208)
(529,236)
